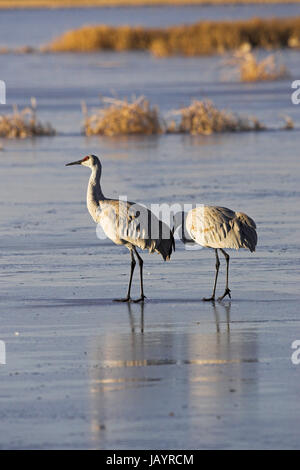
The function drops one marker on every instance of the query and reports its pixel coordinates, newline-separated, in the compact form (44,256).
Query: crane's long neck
(94,192)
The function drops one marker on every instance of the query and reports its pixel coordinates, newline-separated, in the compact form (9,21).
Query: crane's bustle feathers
(219,227)
(130,224)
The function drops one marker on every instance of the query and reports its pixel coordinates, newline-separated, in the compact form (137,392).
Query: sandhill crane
(218,228)
(126,223)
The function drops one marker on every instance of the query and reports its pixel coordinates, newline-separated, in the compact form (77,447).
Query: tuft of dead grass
(251,69)
(122,117)
(288,123)
(23,124)
(202,117)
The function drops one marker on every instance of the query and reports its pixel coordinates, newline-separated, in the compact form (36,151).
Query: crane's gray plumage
(218,228)
(126,223)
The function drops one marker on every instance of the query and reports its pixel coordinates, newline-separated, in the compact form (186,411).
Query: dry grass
(206,37)
(251,69)
(23,124)
(121,117)
(18,50)
(110,3)
(202,117)
(288,123)
(103,37)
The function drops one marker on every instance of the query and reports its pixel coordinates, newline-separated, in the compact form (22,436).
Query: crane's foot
(126,299)
(141,299)
(227,292)
(209,299)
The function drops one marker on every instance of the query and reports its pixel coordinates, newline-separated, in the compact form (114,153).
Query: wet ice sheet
(175,375)
(83,372)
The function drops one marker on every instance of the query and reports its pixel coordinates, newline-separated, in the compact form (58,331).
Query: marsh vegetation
(206,37)
(125,117)
(21,124)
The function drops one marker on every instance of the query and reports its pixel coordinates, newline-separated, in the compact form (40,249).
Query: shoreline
(196,39)
(63,4)
(202,38)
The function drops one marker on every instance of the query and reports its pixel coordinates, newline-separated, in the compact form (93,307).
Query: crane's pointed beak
(74,163)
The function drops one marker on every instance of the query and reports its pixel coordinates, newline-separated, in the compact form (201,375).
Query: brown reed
(122,117)
(251,69)
(202,117)
(23,124)
(206,37)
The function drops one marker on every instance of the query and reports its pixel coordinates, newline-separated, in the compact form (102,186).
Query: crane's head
(90,160)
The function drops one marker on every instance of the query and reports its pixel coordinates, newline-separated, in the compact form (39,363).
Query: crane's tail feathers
(166,247)
(173,240)
(247,231)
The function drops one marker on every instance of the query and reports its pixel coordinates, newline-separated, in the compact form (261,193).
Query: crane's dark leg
(133,263)
(212,298)
(227,290)
(141,262)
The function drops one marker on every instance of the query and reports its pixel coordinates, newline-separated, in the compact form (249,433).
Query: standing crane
(126,223)
(217,228)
